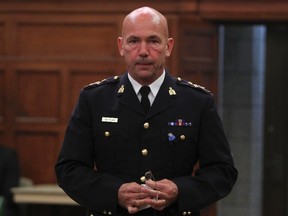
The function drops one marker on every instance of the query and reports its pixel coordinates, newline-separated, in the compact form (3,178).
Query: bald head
(146,15)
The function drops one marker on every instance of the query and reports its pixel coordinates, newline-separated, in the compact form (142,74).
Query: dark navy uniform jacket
(110,141)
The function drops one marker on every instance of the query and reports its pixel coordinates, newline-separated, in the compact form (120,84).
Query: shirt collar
(155,86)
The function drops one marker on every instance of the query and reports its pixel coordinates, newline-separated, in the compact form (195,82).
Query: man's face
(145,47)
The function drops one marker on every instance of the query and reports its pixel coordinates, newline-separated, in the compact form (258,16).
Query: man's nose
(143,49)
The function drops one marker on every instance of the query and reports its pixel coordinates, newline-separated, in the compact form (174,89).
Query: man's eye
(132,41)
(154,42)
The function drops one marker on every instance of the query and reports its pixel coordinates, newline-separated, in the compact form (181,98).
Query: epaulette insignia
(199,87)
(92,85)
(98,83)
(193,85)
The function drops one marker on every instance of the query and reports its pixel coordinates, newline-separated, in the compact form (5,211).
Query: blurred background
(237,49)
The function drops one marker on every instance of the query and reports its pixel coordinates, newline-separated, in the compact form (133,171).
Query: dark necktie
(144,91)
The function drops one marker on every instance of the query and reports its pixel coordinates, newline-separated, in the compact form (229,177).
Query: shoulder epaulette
(114,79)
(192,85)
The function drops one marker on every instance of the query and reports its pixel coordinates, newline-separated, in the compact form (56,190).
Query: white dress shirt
(154,87)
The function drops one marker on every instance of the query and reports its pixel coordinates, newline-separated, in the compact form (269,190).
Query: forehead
(145,14)
(145,30)
(143,25)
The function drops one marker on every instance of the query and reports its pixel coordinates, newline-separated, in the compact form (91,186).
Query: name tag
(109,119)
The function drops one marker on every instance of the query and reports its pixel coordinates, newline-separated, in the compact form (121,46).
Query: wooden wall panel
(2,31)
(244,11)
(66,39)
(199,53)
(2,95)
(38,96)
(37,152)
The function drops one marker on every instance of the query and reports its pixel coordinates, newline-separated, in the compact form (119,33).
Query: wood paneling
(244,10)
(199,53)
(38,96)
(2,30)
(37,152)
(97,7)
(2,95)
(66,39)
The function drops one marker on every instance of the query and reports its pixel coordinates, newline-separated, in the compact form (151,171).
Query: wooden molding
(244,11)
(212,10)
(101,6)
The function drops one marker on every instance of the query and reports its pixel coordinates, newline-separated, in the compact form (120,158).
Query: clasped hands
(157,195)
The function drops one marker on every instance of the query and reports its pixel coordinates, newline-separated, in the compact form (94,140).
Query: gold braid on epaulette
(193,85)
(104,81)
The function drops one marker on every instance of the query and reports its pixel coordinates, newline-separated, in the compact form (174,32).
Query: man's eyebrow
(132,37)
(154,37)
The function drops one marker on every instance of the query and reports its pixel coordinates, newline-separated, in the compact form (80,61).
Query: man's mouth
(144,63)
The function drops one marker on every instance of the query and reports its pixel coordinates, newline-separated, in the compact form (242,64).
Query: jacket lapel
(128,97)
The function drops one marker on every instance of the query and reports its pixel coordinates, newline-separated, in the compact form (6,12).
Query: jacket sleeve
(75,170)
(216,174)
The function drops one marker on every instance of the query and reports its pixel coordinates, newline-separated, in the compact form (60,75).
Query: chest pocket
(181,143)
(110,142)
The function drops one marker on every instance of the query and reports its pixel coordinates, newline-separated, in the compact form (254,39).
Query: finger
(164,203)
(132,209)
(161,202)
(158,205)
(151,193)
(152,184)
(143,195)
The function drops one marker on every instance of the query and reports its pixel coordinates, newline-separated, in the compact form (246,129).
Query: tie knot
(144,90)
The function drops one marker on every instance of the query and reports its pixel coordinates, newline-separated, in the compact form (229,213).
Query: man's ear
(120,45)
(169,46)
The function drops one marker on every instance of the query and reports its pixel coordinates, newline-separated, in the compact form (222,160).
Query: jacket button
(182,137)
(146,125)
(107,133)
(143,179)
(144,152)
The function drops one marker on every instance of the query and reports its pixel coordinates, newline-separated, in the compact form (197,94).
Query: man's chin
(145,74)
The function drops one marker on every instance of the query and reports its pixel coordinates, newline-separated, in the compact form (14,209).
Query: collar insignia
(121,90)
(171,91)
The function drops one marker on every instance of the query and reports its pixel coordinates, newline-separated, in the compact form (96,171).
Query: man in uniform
(133,141)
